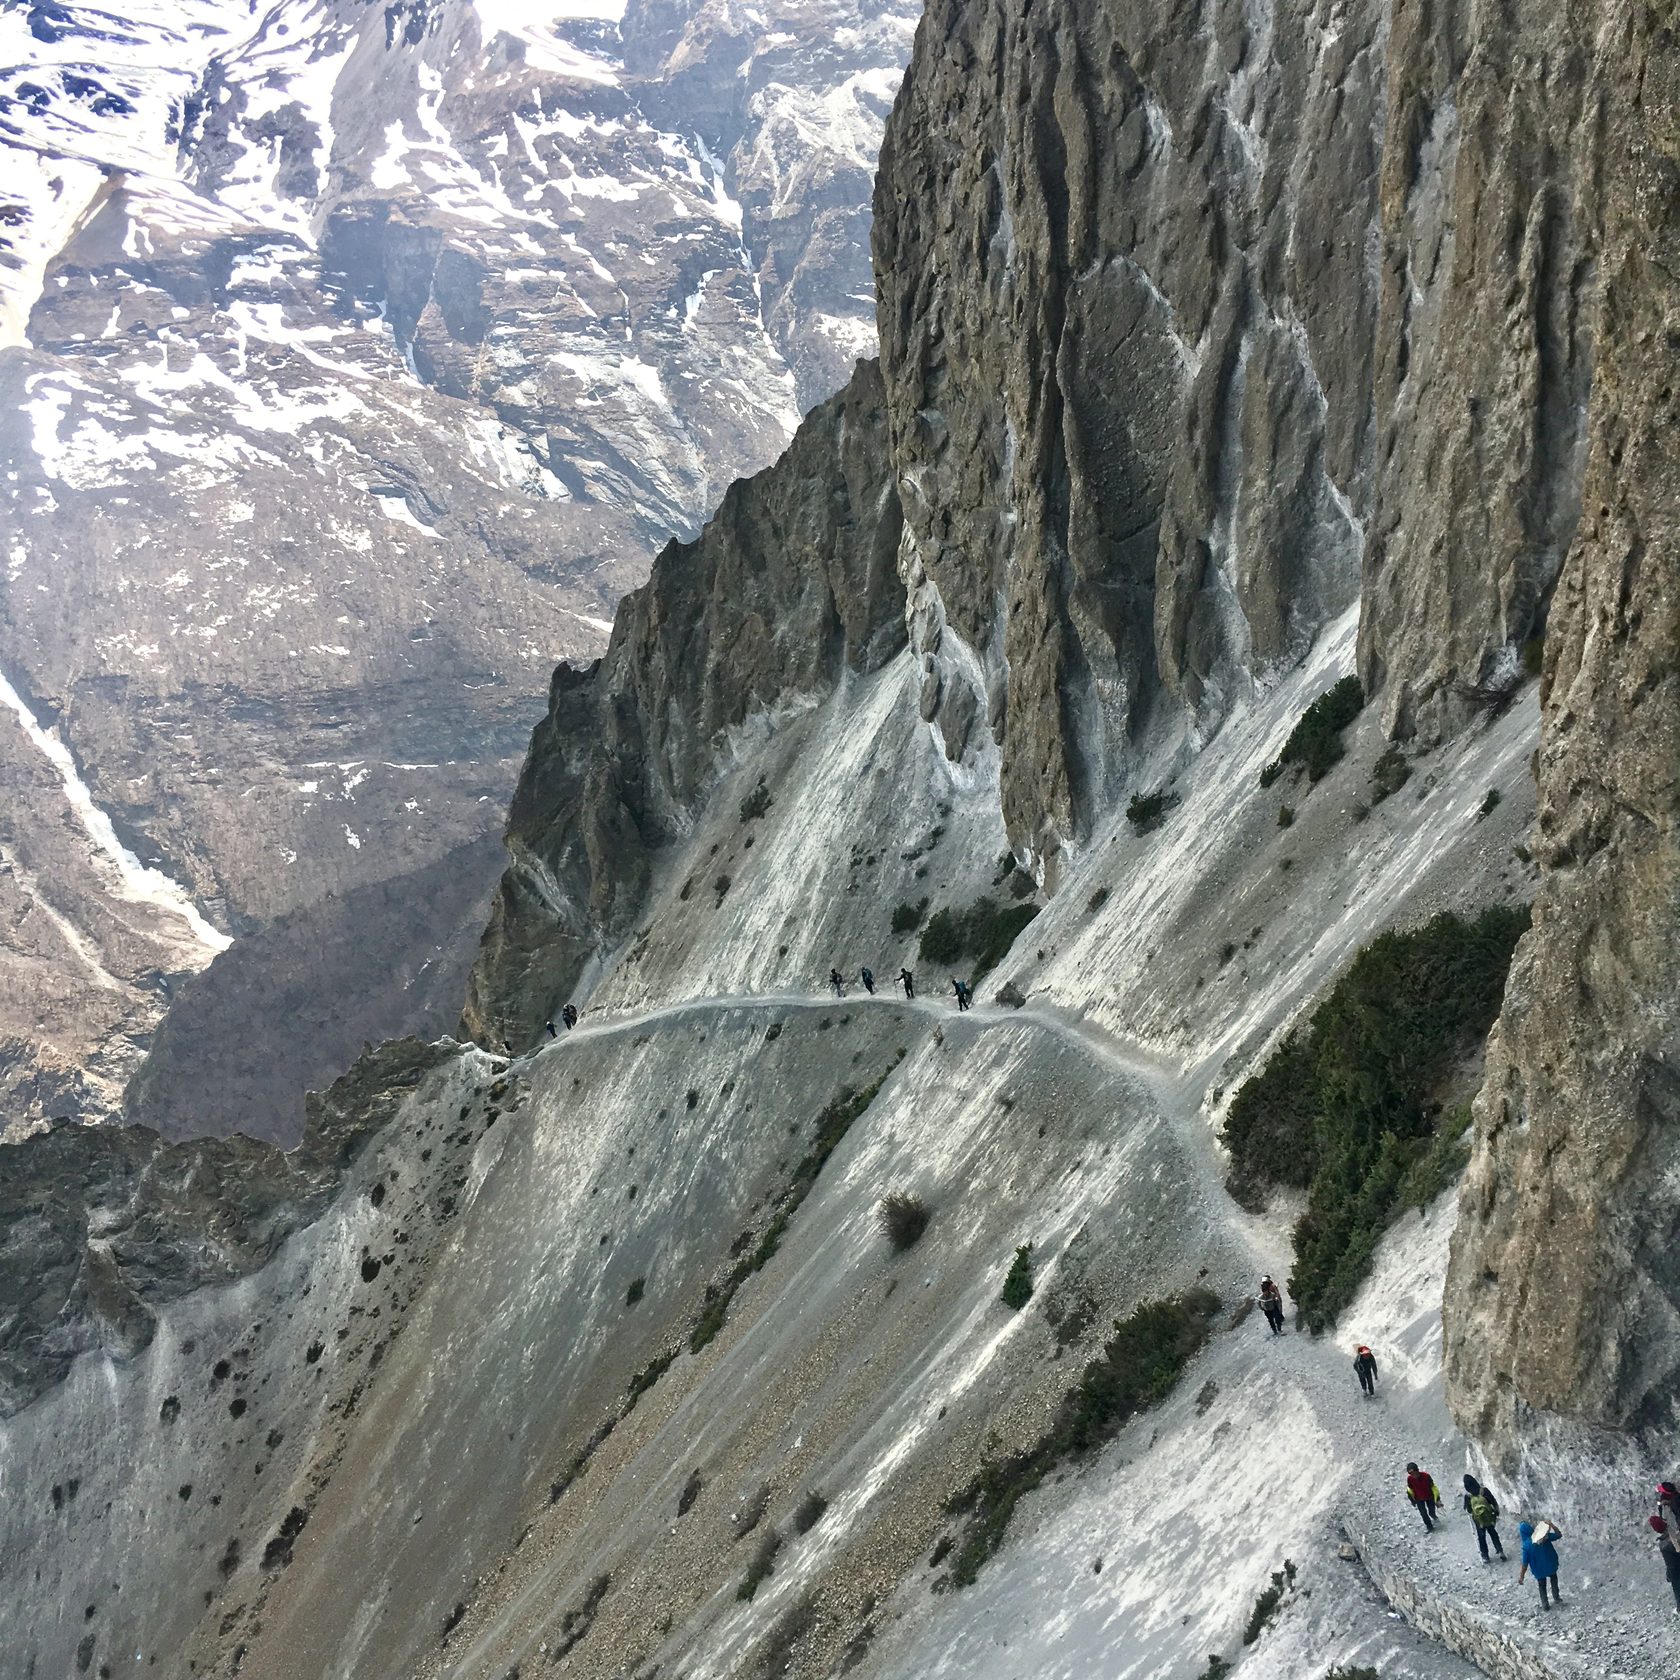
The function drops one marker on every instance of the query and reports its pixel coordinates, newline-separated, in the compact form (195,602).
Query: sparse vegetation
(809,1512)
(1135,1370)
(832,1125)
(1440,1166)
(634,1293)
(1389,774)
(762,1565)
(1343,1108)
(1217,1668)
(1146,811)
(1266,1605)
(981,934)
(1315,743)
(721,886)
(692,1489)
(1097,900)
(1361,1673)
(903,1217)
(756,803)
(906,918)
(1490,803)
(1018,1285)
(1286,816)
(645,1378)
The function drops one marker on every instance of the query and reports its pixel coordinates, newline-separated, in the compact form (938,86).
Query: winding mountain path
(1617,1623)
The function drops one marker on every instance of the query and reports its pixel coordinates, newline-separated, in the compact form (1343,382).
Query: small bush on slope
(903,1218)
(1341,1109)
(1018,1285)
(1315,742)
(1266,1605)
(906,918)
(1135,1370)
(982,934)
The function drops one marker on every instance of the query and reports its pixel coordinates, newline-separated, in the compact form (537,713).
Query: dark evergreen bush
(980,935)
(1342,1109)
(906,918)
(1315,743)
(1018,1285)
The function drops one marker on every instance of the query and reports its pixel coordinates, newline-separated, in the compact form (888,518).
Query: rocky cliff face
(1564,1295)
(790,587)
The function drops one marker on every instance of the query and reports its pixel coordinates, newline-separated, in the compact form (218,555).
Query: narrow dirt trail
(1618,1624)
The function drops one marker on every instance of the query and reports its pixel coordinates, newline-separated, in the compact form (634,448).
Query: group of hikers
(1538,1539)
(961,989)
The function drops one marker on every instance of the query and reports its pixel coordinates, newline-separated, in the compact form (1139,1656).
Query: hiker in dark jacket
(1365,1364)
(1483,1510)
(836,982)
(908,981)
(1668,1504)
(868,979)
(569,1015)
(1668,1548)
(963,995)
(548,1027)
(1271,1304)
(1423,1493)
(1540,1559)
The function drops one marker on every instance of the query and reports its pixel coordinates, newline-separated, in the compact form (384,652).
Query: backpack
(1484,1509)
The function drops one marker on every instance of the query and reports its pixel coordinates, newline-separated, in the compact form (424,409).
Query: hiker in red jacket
(1423,1493)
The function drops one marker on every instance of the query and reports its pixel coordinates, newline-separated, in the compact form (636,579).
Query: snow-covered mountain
(355,361)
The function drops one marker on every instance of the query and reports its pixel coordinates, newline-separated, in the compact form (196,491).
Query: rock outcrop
(1564,1292)
(105,1225)
(791,585)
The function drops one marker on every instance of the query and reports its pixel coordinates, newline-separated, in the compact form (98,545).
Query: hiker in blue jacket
(1540,1559)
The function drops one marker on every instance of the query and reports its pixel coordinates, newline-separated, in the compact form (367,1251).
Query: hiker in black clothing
(868,980)
(548,1027)
(508,1047)
(1483,1511)
(908,981)
(1365,1363)
(1271,1304)
(836,982)
(963,995)
(569,1016)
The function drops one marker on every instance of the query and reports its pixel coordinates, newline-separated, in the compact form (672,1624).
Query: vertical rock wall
(1564,1291)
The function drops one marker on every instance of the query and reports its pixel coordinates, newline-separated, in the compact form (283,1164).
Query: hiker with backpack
(1483,1509)
(1540,1559)
(1365,1365)
(836,982)
(1271,1304)
(1668,1549)
(1668,1505)
(908,981)
(868,980)
(548,1026)
(1423,1493)
(570,1016)
(964,996)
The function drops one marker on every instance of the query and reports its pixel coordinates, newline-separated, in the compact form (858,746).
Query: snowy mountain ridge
(360,350)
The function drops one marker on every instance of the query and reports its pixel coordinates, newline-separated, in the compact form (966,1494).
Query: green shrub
(756,803)
(1389,774)
(634,1293)
(1146,811)
(1534,655)
(692,1489)
(903,1218)
(1315,743)
(1490,804)
(763,1563)
(1286,816)
(908,917)
(1440,1166)
(1342,1108)
(1135,1370)
(809,1512)
(1217,1668)
(1097,900)
(1018,1285)
(1266,1605)
(981,934)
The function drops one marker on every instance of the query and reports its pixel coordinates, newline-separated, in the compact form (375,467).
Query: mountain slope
(372,354)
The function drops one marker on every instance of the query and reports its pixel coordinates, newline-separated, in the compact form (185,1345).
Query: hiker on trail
(836,982)
(1365,1363)
(508,1047)
(1271,1304)
(963,995)
(1484,1513)
(1668,1505)
(1540,1559)
(908,981)
(569,1016)
(548,1027)
(1423,1493)
(868,980)
(1668,1548)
